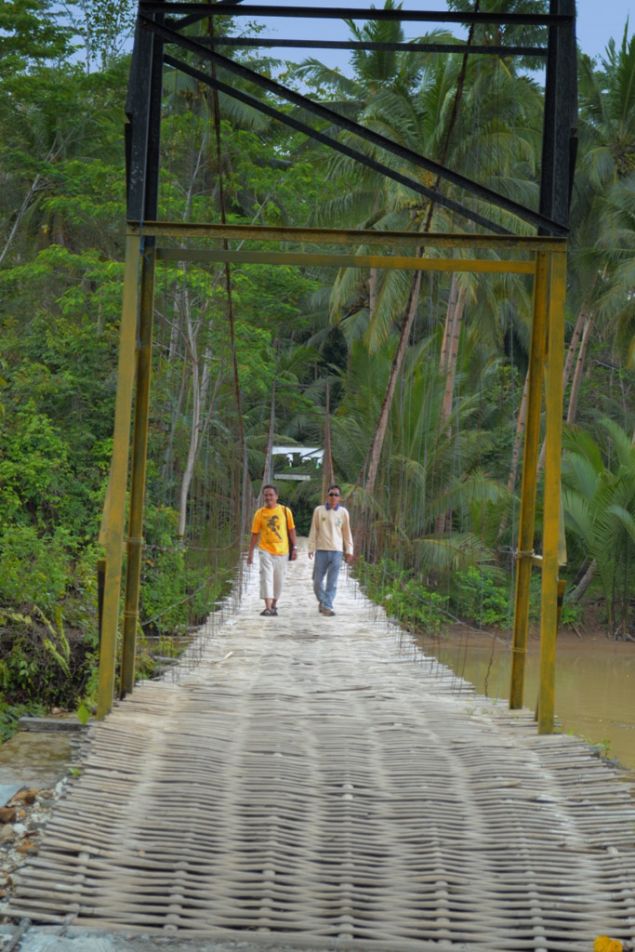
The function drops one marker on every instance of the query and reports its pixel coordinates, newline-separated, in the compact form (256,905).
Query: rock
(7,814)
(27,845)
(59,723)
(26,795)
(7,834)
(7,790)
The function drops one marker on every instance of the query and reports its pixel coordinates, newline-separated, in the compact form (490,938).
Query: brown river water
(595,682)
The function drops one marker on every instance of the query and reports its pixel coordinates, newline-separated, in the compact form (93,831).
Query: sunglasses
(333,494)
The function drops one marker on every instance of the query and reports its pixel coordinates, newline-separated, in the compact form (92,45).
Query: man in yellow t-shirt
(273,531)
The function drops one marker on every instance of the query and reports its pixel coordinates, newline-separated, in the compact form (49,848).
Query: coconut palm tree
(599,505)
(599,274)
(418,113)
(428,466)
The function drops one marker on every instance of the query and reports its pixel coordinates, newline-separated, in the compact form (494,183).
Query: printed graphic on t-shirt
(272,524)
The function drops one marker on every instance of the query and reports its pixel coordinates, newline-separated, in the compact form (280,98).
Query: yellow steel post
(551,511)
(527,519)
(138,476)
(114,508)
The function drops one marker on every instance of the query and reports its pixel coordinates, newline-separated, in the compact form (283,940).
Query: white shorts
(272,572)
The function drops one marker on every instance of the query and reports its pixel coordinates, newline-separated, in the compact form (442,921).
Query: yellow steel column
(527,518)
(114,508)
(551,511)
(138,477)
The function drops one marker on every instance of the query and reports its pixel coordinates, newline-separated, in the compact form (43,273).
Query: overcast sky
(598,21)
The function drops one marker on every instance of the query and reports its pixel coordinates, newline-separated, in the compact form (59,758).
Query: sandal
(274,611)
(267,612)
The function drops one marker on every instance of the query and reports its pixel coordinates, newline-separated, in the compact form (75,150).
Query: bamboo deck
(318,783)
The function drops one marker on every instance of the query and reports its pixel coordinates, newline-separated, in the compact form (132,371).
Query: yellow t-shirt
(270,524)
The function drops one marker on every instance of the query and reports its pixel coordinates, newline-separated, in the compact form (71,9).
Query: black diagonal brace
(332,143)
(480,191)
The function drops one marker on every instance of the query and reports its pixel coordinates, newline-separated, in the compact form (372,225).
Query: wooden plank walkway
(318,783)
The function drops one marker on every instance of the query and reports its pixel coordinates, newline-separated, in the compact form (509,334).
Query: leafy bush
(482,594)
(40,662)
(34,570)
(572,613)
(11,713)
(176,591)
(404,598)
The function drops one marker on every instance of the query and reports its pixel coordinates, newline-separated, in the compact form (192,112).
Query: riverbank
(35,768)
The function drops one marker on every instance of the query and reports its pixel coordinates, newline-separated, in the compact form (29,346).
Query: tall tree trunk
(382,424)
(579,340)
(573,346)
(577,336)
(26,202)
(328,475)
(34,187)
(267,473)
(448,364)
(175,414)
(454,321)
(576,593)
(181,326)
(372,290)
(377,444)
(578,373)
(200,386)
(521,421)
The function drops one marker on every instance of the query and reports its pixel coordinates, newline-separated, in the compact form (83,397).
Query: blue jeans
(326,564)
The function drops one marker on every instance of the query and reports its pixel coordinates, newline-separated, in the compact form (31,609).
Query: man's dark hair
(271,486)
(334,486)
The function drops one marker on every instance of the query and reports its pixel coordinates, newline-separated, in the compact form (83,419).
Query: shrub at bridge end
(47,624)
(479,595)
(402,596)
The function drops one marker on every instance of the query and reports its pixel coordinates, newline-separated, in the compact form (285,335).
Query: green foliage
(83,713)
(176,592)
(29,33)
(164,596)
(34,570)
(104,27)
(41,661)
(10,714)
(599,502)
(571,614)
(482,595)
(403,596)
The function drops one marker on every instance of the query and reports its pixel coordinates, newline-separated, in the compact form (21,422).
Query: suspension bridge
(314,782)
(319,783)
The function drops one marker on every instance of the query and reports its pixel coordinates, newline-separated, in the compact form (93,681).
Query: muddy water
(595,682)
(35,759)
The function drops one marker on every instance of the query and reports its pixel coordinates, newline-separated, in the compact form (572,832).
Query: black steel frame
(160,22)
